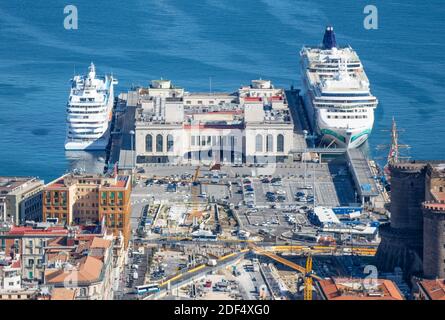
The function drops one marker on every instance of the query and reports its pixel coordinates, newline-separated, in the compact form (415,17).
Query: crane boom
(282,260)
(308,279)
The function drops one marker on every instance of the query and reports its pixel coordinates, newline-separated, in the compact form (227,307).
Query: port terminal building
(250,125)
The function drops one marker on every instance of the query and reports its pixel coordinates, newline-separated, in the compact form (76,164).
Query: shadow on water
(86,161)
(40,132)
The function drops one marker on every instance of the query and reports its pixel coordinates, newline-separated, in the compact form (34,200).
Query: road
(184,278)
(122,140)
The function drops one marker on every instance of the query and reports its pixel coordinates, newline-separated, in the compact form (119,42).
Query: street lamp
(132,149)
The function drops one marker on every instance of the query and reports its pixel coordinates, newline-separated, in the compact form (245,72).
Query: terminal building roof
(158,102)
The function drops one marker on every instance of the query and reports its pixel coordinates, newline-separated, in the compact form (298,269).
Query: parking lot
(273,205)
(265,202)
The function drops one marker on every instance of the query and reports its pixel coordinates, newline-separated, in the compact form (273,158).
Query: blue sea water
(231,41)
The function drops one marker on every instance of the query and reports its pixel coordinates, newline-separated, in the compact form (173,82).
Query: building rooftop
(326,216)
(434,289)
(357,289)
(107,181)
(212,107)
(48,229)
(29,230)
(362,173)
(100,243)
(9,263)
(14,184)
(81,264)
(62,294)
(87,270)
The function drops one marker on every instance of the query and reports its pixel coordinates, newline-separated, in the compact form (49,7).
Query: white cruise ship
(336,93)
(89,111)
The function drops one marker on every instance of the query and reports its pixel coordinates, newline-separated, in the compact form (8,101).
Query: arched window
(159,143)
(280,143)
(259,143)
(169,142)
(269,143)
(149,143)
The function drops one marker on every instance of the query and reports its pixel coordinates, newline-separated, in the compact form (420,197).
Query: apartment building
(28,242)
(20,199)
(86,269)
(79,199)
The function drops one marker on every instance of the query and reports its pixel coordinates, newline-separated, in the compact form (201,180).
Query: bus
(147,288)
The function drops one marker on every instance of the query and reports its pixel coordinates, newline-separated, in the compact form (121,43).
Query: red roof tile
(31,231)
(338,289)
(435,289)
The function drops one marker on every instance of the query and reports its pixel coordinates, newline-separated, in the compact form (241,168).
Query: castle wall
(434,241)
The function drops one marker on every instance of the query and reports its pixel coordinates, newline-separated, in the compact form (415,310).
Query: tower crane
(308,273)
(308,278)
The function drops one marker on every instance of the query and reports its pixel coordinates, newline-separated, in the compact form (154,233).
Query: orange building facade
(79,199)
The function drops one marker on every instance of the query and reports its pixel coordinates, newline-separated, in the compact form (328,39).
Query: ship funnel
(329,41)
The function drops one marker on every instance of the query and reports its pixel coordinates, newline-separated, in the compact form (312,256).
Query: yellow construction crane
(196,175)
(360,251)
(277,258)
(308,278)
(307,271)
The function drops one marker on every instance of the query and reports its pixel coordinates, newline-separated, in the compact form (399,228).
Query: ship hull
(343,138)
(89,128)
(98,144)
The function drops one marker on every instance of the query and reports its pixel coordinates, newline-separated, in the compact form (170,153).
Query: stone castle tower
(402,239)
(415,238)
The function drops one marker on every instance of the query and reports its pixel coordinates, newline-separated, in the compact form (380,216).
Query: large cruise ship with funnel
(89,111)
(336,93)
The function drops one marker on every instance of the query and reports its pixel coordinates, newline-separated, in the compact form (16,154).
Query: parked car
(250,204)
